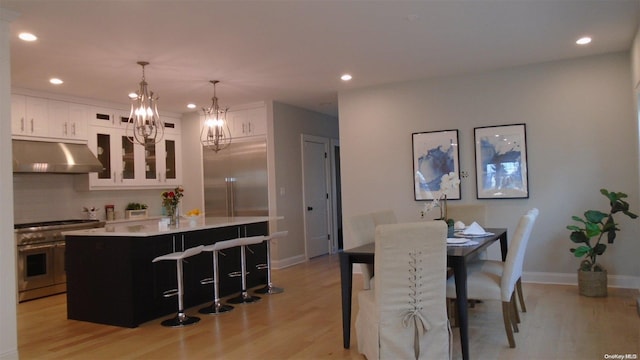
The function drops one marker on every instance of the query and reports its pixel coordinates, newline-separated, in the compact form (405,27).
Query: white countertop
(144,228)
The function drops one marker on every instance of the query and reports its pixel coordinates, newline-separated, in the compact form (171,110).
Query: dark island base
(111,280)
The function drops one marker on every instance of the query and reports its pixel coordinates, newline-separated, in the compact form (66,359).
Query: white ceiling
(294,51)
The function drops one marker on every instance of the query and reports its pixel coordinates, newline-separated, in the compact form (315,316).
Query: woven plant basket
(592,283)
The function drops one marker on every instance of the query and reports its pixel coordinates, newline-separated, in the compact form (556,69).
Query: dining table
(457,258)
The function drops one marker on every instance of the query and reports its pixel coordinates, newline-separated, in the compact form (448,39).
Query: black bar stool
(270,289)
(216,307)
(244,297)
(181,319)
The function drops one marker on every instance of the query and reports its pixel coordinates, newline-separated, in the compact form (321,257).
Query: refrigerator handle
(226,194)
(232,192)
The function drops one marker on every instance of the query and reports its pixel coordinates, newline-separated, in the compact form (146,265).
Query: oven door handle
(34,247)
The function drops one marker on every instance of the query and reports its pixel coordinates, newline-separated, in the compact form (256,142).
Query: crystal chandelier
(144,126)
(215,134)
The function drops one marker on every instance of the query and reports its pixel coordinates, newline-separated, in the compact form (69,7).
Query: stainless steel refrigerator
(235,179)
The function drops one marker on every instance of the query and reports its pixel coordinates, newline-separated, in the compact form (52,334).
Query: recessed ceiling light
(27,36)
(583,40)
(56,81)
(191,106)
(132,95)
(346,77)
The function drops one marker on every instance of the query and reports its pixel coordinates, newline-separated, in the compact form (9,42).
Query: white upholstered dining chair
(363,228)
(404,316)
(496,280)
(478,212)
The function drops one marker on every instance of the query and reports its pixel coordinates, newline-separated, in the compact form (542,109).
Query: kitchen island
(111,278)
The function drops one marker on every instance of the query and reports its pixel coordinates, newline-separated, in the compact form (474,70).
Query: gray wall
(289,124)
(582,135)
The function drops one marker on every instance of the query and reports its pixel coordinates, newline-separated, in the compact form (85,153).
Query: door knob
(309,208)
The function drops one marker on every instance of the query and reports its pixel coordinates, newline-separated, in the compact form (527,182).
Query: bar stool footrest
(236,274)
(170,293)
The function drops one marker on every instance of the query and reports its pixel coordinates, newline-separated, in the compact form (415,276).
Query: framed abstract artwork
(435,153)
(501,162)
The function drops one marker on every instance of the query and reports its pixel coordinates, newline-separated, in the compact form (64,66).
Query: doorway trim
(328,189)
(336,215)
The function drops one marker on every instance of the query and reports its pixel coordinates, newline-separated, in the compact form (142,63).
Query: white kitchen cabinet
(257,120)
(171,125)
(247,122)
(58,115)
(18,114)
(130,166)
(29,116)
(67,121)
(78,119)
(118,156)
(161,161)
(169,165)
(106,117)
(46,119)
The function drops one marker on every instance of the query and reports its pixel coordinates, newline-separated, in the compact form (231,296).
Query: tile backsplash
(46,197)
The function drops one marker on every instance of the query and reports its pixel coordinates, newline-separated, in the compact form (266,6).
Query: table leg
(503,245)
(460,275)
(346,270)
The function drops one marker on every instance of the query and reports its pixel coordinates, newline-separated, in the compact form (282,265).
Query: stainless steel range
(41,247)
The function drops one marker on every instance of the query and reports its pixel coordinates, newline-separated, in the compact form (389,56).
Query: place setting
(463,234)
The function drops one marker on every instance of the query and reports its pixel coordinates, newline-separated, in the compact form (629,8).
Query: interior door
(316,195)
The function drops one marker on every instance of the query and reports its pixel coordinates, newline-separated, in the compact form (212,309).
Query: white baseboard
(11,354)
(620,281)
(281,264)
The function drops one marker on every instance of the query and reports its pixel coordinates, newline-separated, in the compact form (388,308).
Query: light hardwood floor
(304,322)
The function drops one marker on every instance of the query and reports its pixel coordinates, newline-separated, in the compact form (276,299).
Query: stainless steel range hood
(53,157)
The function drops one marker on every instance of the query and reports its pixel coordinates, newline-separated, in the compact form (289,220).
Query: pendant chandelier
(144,126)
(215,134)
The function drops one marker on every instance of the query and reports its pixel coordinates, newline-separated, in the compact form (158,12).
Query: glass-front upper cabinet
(168,170)
(103,154)
(122,160)
(128,158)
(130,165)
(117,155)
(170,159)
(150,160)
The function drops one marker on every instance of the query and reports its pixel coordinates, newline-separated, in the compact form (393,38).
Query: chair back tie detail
(421,325)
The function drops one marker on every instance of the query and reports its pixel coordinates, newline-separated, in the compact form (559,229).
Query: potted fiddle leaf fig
(589,236)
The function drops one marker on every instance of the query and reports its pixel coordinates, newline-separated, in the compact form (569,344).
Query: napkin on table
(474,229)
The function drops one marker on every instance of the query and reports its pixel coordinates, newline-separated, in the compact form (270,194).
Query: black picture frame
(501,162)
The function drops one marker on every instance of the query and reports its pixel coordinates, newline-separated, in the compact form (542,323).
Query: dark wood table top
(452,250)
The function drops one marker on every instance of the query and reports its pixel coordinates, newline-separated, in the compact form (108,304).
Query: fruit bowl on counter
(193,216)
